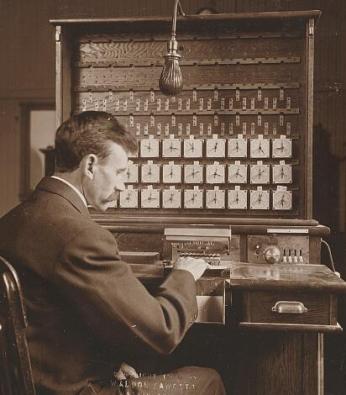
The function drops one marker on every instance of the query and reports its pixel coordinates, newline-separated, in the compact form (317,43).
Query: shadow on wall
(326,197)
(326,180)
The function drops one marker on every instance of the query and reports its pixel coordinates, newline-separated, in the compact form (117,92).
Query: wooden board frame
(70,33)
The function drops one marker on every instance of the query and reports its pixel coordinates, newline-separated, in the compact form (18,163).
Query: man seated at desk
(88,314)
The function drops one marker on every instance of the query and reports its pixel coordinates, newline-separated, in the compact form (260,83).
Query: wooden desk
(282,312)
(276,316)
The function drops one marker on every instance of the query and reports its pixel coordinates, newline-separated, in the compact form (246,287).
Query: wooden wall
(27,75)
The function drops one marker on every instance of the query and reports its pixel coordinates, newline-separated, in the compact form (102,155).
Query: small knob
(257,249)
(272,254)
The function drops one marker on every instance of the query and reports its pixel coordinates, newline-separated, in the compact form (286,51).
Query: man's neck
(71,177)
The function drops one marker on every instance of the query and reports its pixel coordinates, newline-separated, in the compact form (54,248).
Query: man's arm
(115,304)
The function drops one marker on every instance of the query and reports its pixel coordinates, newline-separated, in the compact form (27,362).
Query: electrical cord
(330,257)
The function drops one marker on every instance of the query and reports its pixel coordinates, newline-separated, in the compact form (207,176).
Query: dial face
(272,254)
(193,174)
(193,198)
(259,200)
(282,174)
(215,148)
(129,198)
(150,173)
(237,148)
(237,199)
(193,148)
(215,199)
(282,200)
(259,148)
(282,148)
(171,148)
(259,174)
(150,198)
(149,148)
(215,174)
(171,173)
(132,173)
(237,173)
(171,198)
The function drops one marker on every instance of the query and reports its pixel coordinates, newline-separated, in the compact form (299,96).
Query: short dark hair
(88,133)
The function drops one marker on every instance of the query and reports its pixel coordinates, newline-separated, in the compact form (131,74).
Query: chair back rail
(15,373)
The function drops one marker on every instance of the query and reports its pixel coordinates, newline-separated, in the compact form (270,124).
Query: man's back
(83,303)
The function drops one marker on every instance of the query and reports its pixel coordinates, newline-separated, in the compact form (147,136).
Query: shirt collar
(78,192)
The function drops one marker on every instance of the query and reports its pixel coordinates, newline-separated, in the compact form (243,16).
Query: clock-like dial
(259,148)
(171,198)
(282,148)
(149,148)
(215,148)
(150,198)
(282,174)
(193,174)
(282,200)
(237,173)
(193,198)
(259,174)
(215,173)
(171,173)
(259,199)
(193,148)
(132,172)
(171,148)
(129,198)
(215,198)
(237,148)
(150,172)
(237,199)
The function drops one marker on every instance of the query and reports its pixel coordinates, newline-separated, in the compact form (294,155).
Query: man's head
(92,151)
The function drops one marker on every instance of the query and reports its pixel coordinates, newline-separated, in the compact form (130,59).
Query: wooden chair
(15,368)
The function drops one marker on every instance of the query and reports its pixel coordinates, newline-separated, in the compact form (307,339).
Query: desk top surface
(297,276)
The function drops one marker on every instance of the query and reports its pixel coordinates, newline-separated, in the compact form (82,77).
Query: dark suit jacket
(86,309)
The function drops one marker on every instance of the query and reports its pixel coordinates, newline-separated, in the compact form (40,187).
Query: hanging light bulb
(171,79)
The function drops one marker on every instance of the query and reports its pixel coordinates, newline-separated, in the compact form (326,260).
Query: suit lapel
(58,187)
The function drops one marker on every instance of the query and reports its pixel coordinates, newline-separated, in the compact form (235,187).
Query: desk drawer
(287,310)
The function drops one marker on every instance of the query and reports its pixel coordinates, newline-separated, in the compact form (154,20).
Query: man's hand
(125,371)
(193,265)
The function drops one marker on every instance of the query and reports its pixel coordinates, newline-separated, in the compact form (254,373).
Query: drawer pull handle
(289,307)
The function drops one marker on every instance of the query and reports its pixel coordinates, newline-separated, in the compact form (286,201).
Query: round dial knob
(272,254)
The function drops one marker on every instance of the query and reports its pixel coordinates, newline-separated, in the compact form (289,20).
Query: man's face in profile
(104,178)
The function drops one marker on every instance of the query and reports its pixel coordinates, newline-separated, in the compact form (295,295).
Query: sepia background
(27,92)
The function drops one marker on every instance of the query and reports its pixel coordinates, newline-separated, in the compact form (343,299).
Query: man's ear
(88,165)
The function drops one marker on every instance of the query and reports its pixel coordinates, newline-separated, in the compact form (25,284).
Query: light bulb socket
(172,45)
(172,56)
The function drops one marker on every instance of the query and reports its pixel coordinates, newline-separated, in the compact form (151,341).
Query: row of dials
(196,198)
(212,173)
(213,102)
(260,147)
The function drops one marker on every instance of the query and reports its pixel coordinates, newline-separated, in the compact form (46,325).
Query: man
(88,314)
